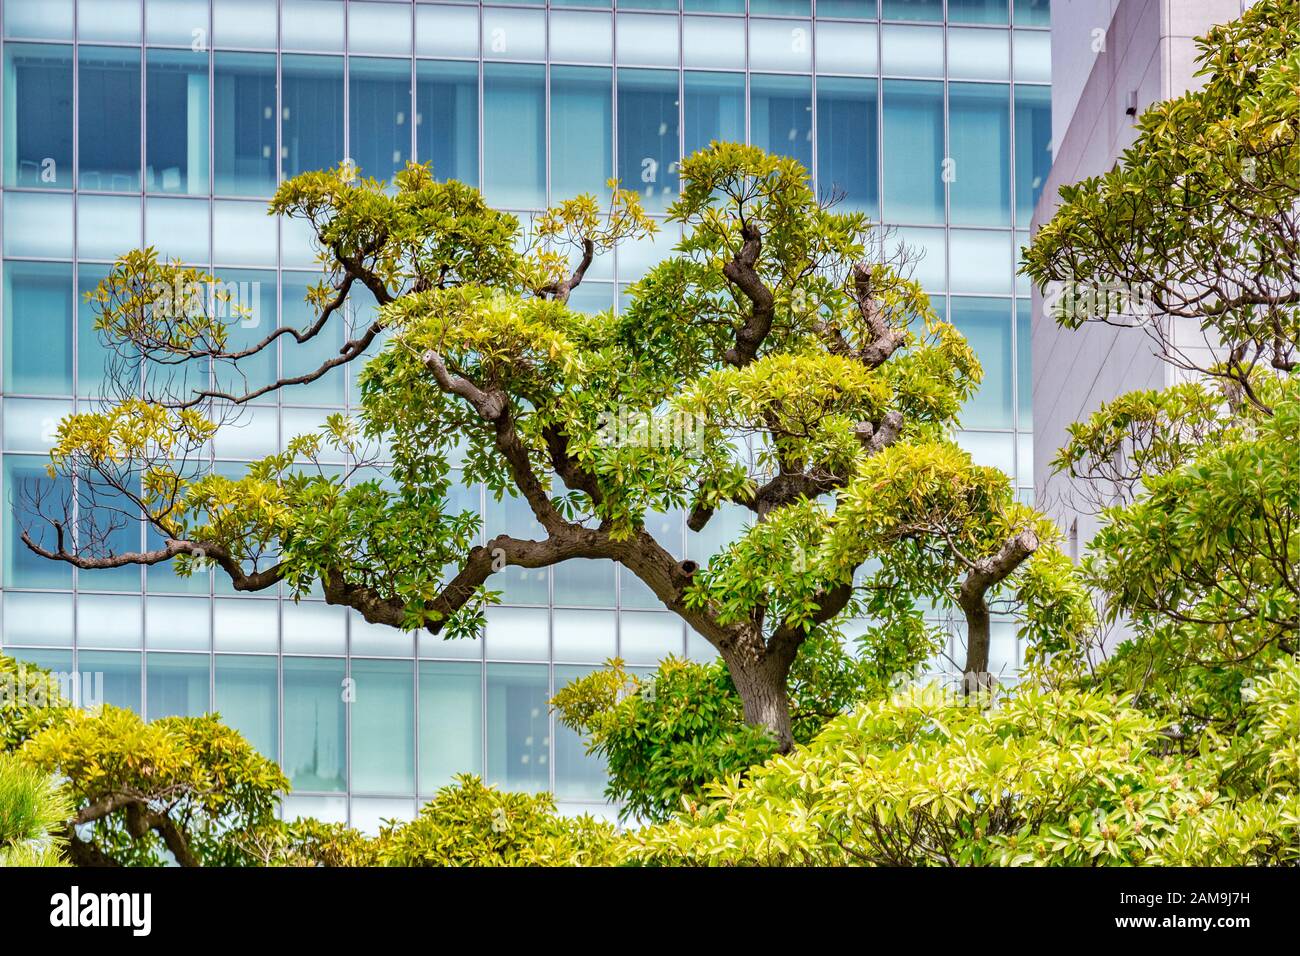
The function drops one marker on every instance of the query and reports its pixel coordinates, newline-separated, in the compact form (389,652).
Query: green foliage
(1046,778)
(33,812)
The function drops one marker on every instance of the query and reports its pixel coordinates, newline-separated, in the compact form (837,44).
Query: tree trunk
(977,636)
(761,685)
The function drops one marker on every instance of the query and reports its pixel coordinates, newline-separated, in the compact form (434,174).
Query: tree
(1199,484)
(766,364)
(137,793)
(32,813)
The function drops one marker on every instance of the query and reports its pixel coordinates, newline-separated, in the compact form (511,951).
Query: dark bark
(972,598)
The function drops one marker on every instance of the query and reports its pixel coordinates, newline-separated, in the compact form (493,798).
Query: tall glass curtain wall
(170,123)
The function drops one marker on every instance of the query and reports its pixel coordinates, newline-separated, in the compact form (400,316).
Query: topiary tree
(764,365)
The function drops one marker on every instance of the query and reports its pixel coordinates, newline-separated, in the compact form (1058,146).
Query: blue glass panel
(245,24)
(518,727)
(300,358)
(986,324)
(1025,363)
(514,135)
(379,27)
(979,136)
(578,774)
(109,118)
(379,110)
(113,20)
(451,722)
(38,19)
(780,45)
(647,135)
(121,670)
(847,137)
(780,115)
(913,151)
(244,125)
(176,22)
(855,9)
(38,127)
(312,25)
(247,697)
(446,119)
(313,113)
(715,109)
(38,311)
(383,726)
(315,723)
(1037,13)
(1033,147)
(582,131)
(788,8)
(912,9)
(177,685)
(94,359)
(977,11)
(177,122)
(30,497)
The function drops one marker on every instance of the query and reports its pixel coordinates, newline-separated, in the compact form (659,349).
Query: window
(94,358)
(177,122)
(109,118)
(383,726)
(847,134)
(379,111)
(582,131)
(300,358)
(1033,147)
(780,116)
(715,109)
(578,774)
(177,685)
(979,129)
(25,481)
(451,722)
(175,22)
(913,151)
(253,292)
(1025,363)
(244,127)
(38,116)
(247,697)
(518,727)
(977,11)
(312,25)
(121,670)
(312,110)
(986,324)
(647,135)
(780,45)
(38,310)
(912,9)
(446,121)
(315,723)
(514,135)
(586,583)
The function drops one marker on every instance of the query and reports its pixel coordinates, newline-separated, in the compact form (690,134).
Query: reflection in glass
(780,115)
(647,135)
(913,151)
(451,722)
(109,118)
(582,131)
(446,119)
(315,723)
(518,727)
(383,722)
(38,116)
(514,135)
(979,131)
(379,110)
(247,699)
(244,123)
(38,309)
(312,108)
(177,685)
(986,325)
(1033,147)
(715,109)
(847,134)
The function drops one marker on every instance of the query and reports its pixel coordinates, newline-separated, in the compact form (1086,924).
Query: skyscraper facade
(170,122)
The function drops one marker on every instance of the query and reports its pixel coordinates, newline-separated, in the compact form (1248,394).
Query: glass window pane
(779,45)
(244,23)
(41,618)
(177,122)
(312,111)
(1033,147)
(446,31)
(912,51)
(978,54)
(176,22)
(913,151)
(518,633)
(94,358)
(300,358)
(247,698)
(109,118)
(244,126)
(780,116)
(927,253)
(245,624)
(979,143)
(586,636)
(451,722)
(1025,363)
(582,131)
(315,723)
(179,228)
(38,309)
(121,670)
(587,583)
(446,121)
(315,25)
(383,726)
(242,234)
(977,11)
(31,424)
(1033,56)
(177,623)
(37,225)
(25,482)
(717,42)
(646,637)
(518,727)
(847,134)
(986,325)
(38,19)
(647,40)
(514,135)
(580,37)
(380,111)
(114,20)
(990,449)
(107,226)
(781,7)
(647,135)
(1036,13)
(846,48)
(981,261)
(255,292)
(578,774)
(177,685)
(379,27)
(858,9)
(714,109)
(38,116)
(912,9)
(513,34)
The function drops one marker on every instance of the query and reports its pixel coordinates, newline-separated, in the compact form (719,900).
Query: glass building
(169,122)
